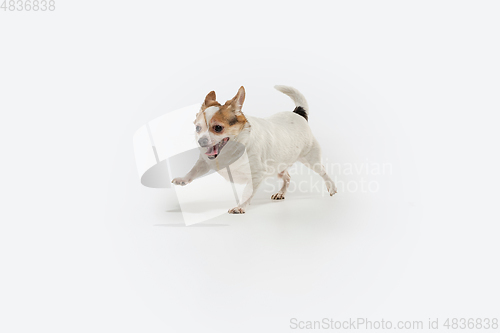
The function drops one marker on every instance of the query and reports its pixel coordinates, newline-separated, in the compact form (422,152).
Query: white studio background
(85,247)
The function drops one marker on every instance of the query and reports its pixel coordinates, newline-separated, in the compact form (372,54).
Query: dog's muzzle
(203,142)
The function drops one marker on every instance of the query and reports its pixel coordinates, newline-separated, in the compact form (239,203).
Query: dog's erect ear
(237,101)
(210,98)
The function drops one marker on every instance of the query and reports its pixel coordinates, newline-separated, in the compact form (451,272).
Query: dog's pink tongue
(212,150)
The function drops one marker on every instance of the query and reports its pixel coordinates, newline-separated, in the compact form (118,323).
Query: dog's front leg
(248,194)
(199,169)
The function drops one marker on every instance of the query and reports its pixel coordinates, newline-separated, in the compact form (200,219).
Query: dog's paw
(181,181)
(236,210)
(278,196)
(330,186)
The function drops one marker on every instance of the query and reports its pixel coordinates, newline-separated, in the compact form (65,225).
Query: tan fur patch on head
(229,115)
(209,102)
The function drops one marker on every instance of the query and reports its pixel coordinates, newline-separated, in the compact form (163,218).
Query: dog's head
(217,124)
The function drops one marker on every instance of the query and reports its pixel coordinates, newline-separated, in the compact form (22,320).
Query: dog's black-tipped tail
(301,107)
(301,112)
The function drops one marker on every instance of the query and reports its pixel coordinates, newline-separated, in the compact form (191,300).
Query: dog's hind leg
(286,181)
(312,160)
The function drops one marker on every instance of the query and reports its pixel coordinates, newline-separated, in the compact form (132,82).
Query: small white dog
(272,144)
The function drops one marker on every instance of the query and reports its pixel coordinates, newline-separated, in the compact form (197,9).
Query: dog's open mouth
(214,151)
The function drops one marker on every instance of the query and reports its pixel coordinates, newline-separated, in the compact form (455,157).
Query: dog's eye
(198,128)
(218,128)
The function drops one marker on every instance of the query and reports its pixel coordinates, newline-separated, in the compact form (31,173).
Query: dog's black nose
(203,142)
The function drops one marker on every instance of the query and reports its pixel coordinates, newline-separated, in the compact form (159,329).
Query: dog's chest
(239,171)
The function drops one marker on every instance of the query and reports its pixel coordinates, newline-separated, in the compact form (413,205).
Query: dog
(272,144)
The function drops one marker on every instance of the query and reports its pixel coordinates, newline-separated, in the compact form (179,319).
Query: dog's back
(279,140)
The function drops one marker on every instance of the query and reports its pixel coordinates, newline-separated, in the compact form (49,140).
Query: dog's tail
(301,107)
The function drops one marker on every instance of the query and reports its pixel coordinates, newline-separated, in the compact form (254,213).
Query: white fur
(272,144)
(295,95)
(209,113)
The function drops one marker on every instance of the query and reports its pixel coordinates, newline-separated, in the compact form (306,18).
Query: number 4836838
(28,5)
